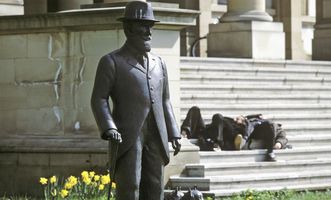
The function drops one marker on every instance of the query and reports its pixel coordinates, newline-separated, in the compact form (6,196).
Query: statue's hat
(138,10)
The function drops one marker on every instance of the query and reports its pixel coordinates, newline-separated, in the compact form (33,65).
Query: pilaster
(322,33)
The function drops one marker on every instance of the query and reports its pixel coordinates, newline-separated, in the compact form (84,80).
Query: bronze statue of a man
(142,116)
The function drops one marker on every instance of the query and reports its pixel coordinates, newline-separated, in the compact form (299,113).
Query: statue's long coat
(134,92)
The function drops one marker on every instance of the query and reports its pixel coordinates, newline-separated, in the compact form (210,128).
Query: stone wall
(48,78)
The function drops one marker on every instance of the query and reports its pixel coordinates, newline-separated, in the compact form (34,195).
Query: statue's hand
(112,134)
(176,145)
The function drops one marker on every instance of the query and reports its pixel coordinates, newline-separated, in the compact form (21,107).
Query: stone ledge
(91,19)
(64,144)
(53,144)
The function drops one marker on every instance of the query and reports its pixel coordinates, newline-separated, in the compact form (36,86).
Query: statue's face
(139,34)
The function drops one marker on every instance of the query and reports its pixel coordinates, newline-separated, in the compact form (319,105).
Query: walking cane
(112,155)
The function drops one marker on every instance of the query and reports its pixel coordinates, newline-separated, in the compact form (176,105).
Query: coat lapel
(151,62)
(132,61)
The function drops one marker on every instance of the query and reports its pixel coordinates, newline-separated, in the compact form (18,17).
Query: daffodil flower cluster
(88,185)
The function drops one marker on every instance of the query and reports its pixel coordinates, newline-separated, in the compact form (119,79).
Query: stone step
(200,63)
(303,141)
(253,71)
(296,187)
(302,128)
(267,109)
(231,192)
(247,98)
(306,130)
(285,119)
(305,153)
(235,168)
(259,90)
(253,181)
(217,78)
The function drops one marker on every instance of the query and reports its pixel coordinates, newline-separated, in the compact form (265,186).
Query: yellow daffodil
(68,186)
(101,187)
(84,174)
(43,181)
(52,179)
(96,178)
(64,193)
(105,179)
(73,180)
(92,173)
(113,185)
(87,180)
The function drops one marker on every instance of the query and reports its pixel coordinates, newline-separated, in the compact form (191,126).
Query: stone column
(246,31)
(246,10)
(322,34)
(290,13)
(35,6)
(118,1)
(72,4)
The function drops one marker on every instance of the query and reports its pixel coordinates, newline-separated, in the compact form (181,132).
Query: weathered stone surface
(13,46)
(7,71)
(172,66)
(9,159)
(47,45)
(100,159)
(99,43)
(69,159)
(7,183)
(80,121)
(27,179)
(33,159)
(7,121)
(36,70)
(90,68)
(27,96)
(43,121)
(165,42)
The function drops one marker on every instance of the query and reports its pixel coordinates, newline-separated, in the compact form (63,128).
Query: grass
(281,195)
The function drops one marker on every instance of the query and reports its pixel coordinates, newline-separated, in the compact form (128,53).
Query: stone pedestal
(189,154)
(246,31)
(247,39)
(322,34)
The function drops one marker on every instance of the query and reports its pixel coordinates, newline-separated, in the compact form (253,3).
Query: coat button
(152,88)
(153,101)
(149,77)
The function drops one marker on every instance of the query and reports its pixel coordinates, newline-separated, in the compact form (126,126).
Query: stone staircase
(296,94)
